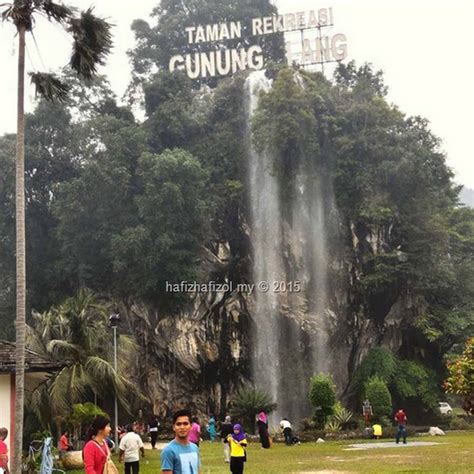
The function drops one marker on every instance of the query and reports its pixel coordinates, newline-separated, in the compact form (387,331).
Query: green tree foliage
(76,335)
(7,235)
(171,210)
(412,385)
(461,376)
(248,402)
(322,394)
(379,396)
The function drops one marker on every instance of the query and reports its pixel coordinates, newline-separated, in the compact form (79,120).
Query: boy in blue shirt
(180,456)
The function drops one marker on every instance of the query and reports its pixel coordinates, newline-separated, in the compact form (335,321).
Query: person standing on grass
(238,455)
(285,426)
(4,450)
(195,432)
(401,419)
(262,425)
(180,456)
(96,453)
(211,428)
(226,430)
(131,445)
(63,444)
(153,425)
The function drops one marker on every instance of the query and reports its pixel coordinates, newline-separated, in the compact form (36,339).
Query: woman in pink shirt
(195,432)
(96,451)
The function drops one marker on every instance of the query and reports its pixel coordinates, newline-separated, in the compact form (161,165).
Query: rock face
(199,357)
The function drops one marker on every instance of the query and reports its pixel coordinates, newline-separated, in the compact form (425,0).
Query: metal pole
(116,402)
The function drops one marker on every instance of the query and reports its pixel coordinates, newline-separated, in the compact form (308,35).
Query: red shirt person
(3,450)
(401,419)
(96,452)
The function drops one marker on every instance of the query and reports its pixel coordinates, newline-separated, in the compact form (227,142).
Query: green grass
(455,453)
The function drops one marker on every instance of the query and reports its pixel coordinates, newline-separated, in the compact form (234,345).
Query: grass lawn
(455,453)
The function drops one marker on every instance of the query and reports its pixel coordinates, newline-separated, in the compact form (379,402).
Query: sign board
(314,48)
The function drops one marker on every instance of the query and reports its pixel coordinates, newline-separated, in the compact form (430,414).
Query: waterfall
(289,243)
(265,220)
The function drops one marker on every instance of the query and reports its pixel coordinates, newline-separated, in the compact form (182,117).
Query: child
(238,456)
(3,451)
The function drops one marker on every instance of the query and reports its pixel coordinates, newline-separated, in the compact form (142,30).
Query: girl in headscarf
(262,425)
(238,456)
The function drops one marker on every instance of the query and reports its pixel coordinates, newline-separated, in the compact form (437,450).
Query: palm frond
(49,86)
(19,13)
(56,11)
(92,43)
(60,349)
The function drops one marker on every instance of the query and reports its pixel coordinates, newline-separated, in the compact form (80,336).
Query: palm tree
(92,42)
(247,402)
(76,334)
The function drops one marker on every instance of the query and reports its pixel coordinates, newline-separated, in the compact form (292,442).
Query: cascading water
(266,241)
(289,243)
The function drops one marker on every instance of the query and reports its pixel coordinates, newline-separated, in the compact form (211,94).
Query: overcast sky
(424,48)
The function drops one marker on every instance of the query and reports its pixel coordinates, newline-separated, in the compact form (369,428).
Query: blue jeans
(401,433)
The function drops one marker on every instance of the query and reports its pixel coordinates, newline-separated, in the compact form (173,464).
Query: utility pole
(114,320)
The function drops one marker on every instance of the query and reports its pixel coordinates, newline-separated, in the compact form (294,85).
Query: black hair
(98,424)
(184,412)
(3,433)
(195,419)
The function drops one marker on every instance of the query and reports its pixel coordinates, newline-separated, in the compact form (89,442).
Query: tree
(322,394)
(379,396)
(76,334)
(461,376)
(248,402)
(91,44)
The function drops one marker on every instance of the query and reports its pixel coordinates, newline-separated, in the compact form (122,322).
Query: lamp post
(114,319)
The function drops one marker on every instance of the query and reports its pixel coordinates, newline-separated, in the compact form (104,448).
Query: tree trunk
(20,258)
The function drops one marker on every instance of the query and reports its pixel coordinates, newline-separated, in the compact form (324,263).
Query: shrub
(249,401)
(343,417)
(459,423)
(333,426)
(461,377)
(323,397)
(379,396)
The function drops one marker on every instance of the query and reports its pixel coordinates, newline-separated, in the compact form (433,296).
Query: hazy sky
(424,48)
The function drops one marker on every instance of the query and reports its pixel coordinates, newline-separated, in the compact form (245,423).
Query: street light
(114,319)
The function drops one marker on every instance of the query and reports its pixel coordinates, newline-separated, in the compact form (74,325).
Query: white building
(37,369)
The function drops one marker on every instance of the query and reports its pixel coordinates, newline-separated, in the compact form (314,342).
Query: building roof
(34,362)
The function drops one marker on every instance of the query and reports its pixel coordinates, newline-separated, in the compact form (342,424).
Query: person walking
(238,455)
(96,453)
(195,432)
(262,425)
(63,445)
(153,425)
(286,428)
(131,446)
(402,420)
(180,456)
(211,428)
(226,430)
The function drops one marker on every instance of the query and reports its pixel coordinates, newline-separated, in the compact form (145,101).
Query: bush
(460,423)
(379,396)
(323,397)
(343,417)
(249,401)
